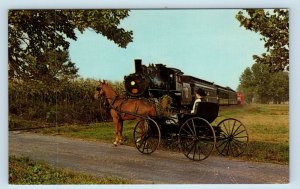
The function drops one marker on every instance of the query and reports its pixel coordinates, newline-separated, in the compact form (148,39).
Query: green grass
(268,152)
(103,132)
(22,170)
(268,128)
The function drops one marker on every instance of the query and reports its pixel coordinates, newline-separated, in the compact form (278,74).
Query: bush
(59,102)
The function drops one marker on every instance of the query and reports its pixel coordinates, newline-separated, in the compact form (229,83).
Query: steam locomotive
(156,80)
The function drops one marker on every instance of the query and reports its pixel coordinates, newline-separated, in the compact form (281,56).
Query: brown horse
(124,108)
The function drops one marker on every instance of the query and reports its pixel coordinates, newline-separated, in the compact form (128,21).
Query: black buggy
(193,133)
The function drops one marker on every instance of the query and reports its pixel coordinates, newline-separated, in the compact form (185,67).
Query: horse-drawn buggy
(193,132)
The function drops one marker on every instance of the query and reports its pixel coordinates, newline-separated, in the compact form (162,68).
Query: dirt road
(102,159)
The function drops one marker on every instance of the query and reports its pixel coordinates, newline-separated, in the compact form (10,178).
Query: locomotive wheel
(146,136)
(233,138)
(197,139)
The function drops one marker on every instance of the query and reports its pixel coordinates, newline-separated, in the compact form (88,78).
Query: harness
(111,105)
(118,108)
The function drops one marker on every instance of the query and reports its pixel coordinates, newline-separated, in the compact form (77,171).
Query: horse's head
(103,89)
(99,91)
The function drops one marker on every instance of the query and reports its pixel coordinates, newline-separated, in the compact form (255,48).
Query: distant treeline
(261,85)
(56,102)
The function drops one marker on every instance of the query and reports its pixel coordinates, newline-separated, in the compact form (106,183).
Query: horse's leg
(120,131)
(116,125)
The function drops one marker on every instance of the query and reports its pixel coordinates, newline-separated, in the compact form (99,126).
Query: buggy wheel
(146,136)
(233,137)
(197,139)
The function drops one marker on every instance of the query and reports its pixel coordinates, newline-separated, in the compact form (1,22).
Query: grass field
(267,125)
(268,128)
(25,171)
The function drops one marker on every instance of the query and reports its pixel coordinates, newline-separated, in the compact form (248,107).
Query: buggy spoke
(239,133)
(227,132)
(222,143)
(233,127)
(185,131)
(230,148)
(194,151)
(238,145)
(237,129)
(224,147)
(245,136)
(194,127)
(192,147)
(192,132)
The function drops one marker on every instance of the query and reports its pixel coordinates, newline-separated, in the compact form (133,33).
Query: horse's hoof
(115,144)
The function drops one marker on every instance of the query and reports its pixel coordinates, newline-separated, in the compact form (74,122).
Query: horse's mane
(110,88)
(119,96)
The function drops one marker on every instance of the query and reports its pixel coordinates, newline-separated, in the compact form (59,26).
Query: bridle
(102,94)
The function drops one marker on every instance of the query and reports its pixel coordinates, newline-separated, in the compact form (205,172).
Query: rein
(112,103)
(116,108)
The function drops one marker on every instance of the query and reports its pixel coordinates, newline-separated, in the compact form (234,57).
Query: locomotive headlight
(132,83)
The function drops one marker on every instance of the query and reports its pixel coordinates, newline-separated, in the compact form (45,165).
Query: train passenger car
(232,96)
(226,96)
(194,84)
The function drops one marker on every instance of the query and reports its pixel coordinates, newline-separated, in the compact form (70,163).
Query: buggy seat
(206,110)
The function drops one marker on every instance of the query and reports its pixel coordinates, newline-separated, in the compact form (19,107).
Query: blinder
(98,88)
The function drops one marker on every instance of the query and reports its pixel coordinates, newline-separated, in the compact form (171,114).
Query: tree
(50,66)
(246,85)
(33,34)
(274,28)
(262,86)
(280,87)
(261,82)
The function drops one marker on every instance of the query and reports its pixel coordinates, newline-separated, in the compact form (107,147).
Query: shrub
(59,102)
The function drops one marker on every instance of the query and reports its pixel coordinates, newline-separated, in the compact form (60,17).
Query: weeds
(22,170)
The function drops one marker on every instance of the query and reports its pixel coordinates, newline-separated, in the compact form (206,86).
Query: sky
(205,43)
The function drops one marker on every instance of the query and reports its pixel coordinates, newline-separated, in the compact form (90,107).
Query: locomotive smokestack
(138,65)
